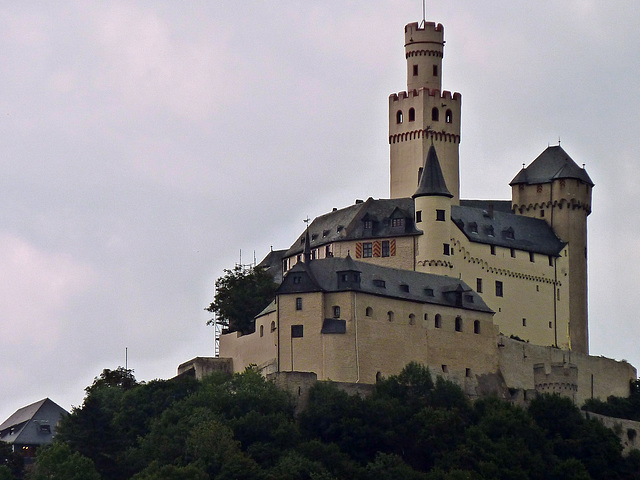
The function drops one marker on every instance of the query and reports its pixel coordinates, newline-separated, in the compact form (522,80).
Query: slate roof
(32,425)
(432,181)
(323,275)
(498,205)
(348,223)
(272,264)
(552,164)
(507,230)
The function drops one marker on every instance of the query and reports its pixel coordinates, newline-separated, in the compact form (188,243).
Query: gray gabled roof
(432,180)
(381,281)
(34,424)
(498,205)
(348,223)
(552,164)
(272,264)
(507,230)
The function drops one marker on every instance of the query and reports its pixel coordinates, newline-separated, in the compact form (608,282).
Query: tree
(60,462)
(240,295)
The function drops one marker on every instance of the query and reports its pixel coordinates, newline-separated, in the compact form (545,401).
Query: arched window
(390,316)
(476,327)
(399,116)
(458,324)
(412,319)
(273,326)
(412,115)
(448,117)
(261,330)
(438,321)
(369,312)
(435,114)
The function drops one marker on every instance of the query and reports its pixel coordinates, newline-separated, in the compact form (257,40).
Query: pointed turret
(431,180)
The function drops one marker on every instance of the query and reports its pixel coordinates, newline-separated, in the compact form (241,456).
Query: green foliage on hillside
(618,407)
(411,427)
(241,295)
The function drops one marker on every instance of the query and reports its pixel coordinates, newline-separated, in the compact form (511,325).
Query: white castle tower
(423,114)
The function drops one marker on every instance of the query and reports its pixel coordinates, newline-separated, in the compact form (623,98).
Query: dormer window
(428,292)
(397,222)
(508,233)
(404,287)
(325,233)
(488,230)
(473,227)
(297,279)
(378,283)
(368,224)
(314,236)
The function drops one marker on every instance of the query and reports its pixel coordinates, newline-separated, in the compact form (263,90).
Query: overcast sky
(146,143)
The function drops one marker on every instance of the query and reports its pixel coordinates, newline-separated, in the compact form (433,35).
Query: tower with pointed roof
(554,188)
(432,211)
(423,115)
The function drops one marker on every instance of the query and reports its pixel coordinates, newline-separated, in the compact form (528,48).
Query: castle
(489,293)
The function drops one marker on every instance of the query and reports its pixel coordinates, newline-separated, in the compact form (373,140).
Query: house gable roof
(32,425)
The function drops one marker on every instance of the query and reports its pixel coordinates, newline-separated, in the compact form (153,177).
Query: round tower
(432,201)
(555,189)
(424,114)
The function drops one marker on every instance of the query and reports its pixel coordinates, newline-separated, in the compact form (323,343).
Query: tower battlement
(431,31)
(444,95)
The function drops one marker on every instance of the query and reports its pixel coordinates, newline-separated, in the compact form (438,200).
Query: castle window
(448,117)
(297,279)
(438,321)
(467,372)
(440,215)
(445,369)
(558,295)
(435,114)
(524,322)
(419,216)
(539,189)
(499,290)
(404,287)
(397,222)
(479,285)
(297,331)
(273,326)
(473,227)
(327,251)
(390,316)
(551,260)
(399,116)
(550,324)
(415,70)
(299,303)
(419,174)
(261,330)
(489,230)
(412,115)
(426,316)
(367,250)
(385,248)
(541,213)
(336,311)
(513,252)
(445,249)
(379,283)
(493,249)
(458,324)
(428,292)
(368,312)
(476,327)
(368,224)
(435,70)
(412,319)
(532,257)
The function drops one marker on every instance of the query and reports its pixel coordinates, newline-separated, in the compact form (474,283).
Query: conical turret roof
(432,181)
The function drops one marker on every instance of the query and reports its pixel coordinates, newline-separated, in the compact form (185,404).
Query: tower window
(550,260)
(448,116)
(531,257)
(390,316)
(479,285)
(438,321)
(368,312)
(419,216)
(261,330)
(297,331)
(415,70)
(435,70)
(458,324)
(435,114)
(399,116)
(499,290)
(445,249)
(524,322)
(513,252)
(412,115)
(336,311)
(440,215)
(476,327)
(493,249)
(298,303)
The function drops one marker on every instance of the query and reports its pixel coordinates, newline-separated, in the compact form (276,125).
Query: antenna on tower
(424,13)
